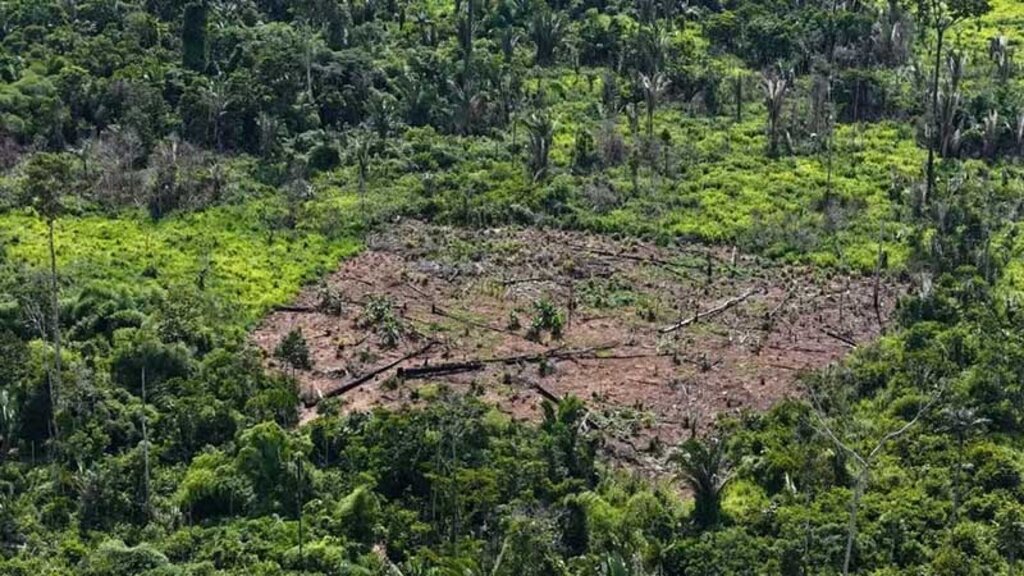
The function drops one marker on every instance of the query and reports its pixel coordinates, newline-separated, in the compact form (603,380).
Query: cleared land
(657,341)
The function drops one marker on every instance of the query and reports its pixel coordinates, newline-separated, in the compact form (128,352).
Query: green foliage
(379,315)
(546,318)
(194,36)
(294,350)
(113,558)
(200,161)
(706,470)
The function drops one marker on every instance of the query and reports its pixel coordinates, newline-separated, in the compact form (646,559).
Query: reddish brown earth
(455,291)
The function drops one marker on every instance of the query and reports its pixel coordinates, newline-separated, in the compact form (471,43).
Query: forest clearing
(511,287)
(658,342)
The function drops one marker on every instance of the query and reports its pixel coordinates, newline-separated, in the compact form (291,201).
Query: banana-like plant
(705,468)
(542,133)
(990,134)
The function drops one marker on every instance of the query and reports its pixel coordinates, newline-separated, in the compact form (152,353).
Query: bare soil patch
(657,341)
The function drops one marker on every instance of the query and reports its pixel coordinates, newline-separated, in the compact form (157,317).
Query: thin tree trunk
(851,530)
(298,505)
(739,98)
(55,380)
(829,120)
(956,482)
(932,141)
(145,447)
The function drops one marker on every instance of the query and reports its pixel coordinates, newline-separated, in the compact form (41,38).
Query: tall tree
(653,87)
(46,177)
(546,31)
(941,16)
(863,462)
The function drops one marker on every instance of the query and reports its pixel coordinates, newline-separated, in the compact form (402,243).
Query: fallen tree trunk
(479,364)
(439,370)
(849,342)
(296,309)
(707,314)
(377,372)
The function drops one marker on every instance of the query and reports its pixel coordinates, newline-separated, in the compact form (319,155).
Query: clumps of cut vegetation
(330,300)
(294,351)
(546,318)
(514,324)
(379,316)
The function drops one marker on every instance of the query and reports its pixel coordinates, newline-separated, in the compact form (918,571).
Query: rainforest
(511,287)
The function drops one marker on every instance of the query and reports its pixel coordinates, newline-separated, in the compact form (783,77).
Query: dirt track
(456,297)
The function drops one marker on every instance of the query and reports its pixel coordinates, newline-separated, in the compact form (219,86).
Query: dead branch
(716,310)
(438,311)
(529,280)
(835,335)
(779,306)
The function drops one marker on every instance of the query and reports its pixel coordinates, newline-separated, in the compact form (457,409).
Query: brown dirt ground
(646,388)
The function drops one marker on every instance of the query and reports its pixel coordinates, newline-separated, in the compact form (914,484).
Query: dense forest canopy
(172,170)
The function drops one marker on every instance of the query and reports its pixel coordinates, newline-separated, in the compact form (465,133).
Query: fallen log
(297,309)
(539,388)
(439,370)
(707,314)
(558,353)
(849,342)
(376,372)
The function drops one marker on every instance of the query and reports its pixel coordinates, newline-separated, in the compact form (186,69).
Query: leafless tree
(863,461)
(116,180)
(775,87)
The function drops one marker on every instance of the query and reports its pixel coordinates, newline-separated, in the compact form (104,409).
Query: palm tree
(546,31)
(990,134)
(1001,54)
(706,470)
(565,423)
(382,112)
(942,16)
(508,39)
(949,107)
(417,98)
(468,105)
(362,158)
(542,132)
(653,87)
